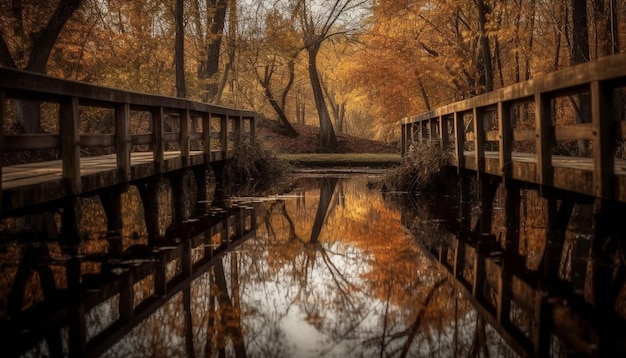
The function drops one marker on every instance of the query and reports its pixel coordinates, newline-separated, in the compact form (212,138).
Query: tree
(31,45)
(179,50)
(215,11)
(331,18)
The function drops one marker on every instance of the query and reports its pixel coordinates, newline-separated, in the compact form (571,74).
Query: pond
(333,268)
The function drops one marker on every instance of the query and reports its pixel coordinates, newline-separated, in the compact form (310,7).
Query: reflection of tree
(327,188)
(228,320)
(31,262)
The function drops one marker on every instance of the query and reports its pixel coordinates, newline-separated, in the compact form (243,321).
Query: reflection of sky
(279,299)
(313,316)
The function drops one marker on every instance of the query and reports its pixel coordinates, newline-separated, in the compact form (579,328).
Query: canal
(332,268)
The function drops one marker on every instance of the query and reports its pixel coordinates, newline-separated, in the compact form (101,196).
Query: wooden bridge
(198,134)
(529,132)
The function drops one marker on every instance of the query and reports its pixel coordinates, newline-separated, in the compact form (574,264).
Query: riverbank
(304,151)
(343,160)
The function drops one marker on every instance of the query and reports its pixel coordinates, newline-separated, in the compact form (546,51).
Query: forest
(348,66)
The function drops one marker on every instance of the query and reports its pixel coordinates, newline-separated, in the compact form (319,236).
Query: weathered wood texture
(75,173)
(596,171)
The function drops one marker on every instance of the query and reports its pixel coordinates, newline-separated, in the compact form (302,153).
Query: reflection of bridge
(572,297)
(179,133)
(163,269)
(561,130)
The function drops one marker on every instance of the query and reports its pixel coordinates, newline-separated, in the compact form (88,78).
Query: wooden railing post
(237,130)
(432,131)
(252,129)
(158,142)
(206,136)
(443,132)
(184,117)
(2,111)
(603,127)
(479,139)
(70,144)
(543,134)
(403,139)
(224,135)
(122,140)
(505,145)
(459,143)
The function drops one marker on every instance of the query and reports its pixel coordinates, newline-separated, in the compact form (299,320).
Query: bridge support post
(200,176)
(487,193)
(149,192)
(69,221)
(219,170)
(112,203)
(559,217)
(177,183)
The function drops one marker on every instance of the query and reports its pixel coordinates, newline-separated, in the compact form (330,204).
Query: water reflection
(331,269)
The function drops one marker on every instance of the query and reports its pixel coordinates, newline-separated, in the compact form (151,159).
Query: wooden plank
(20,84)
(524,135)
(97,140)
(70,144)
(575,77)
(603,147)
(33,141)
(169,137)
(123,141)
(573,132)
(139,139)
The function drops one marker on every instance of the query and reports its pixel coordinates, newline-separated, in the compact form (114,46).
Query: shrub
(253,168)
(421,167)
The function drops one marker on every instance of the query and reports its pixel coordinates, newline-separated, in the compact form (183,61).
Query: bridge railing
(576,112)
(195,126)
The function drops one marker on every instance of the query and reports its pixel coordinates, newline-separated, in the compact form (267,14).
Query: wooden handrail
(71,95)
(597,80)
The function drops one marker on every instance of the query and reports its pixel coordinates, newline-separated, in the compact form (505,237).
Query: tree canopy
(352,66)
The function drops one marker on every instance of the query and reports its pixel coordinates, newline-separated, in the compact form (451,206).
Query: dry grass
(420,169)
(254,168)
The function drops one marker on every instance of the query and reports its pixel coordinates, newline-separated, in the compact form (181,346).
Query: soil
(308,141)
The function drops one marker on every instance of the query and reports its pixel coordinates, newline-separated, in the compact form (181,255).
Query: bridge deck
(33,183)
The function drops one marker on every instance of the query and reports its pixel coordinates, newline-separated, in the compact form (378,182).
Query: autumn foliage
(376,62)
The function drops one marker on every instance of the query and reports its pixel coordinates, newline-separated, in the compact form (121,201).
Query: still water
(333,268)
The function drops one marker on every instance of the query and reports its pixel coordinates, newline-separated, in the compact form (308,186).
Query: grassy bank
(325,160)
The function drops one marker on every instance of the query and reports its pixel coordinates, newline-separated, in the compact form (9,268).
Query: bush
(422,165)
(253,168)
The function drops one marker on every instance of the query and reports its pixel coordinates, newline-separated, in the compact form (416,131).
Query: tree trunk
(328,140)
(28,112)
(485,47)
(580,32)
(179,50)
(580,54)
(210,66)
